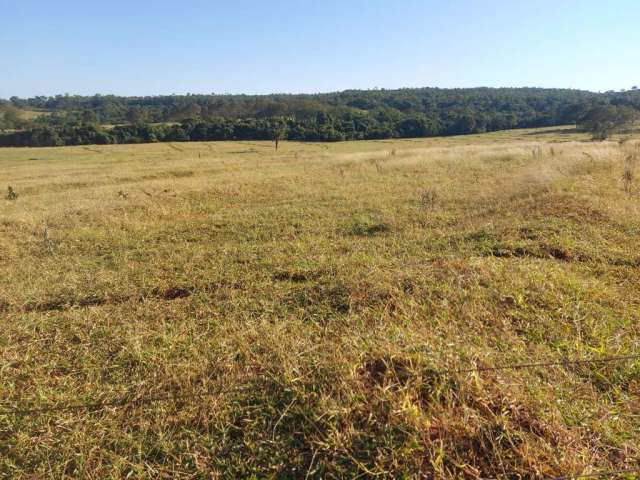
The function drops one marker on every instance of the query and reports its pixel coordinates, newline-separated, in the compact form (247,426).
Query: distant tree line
(348,115)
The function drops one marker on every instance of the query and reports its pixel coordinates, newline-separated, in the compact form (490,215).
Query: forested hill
(488,107)
(347,115)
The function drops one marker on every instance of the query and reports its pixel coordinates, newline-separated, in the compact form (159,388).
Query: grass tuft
(367,226)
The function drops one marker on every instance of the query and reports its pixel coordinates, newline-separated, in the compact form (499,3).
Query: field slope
(225,310)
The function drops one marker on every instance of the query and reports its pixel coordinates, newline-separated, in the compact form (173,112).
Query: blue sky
(146,47)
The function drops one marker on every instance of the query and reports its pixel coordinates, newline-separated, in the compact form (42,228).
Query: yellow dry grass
(301,313)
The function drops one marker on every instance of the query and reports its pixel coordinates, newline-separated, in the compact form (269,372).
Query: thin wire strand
(608,473)
(193,395)
(585,361)
(120,402)
(601,474)
(546,364)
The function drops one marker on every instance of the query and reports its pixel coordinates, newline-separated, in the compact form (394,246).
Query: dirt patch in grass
(624,262)
(296,276)
(62,303)
(172,293)
(553,252)
(541,251)
(383,370)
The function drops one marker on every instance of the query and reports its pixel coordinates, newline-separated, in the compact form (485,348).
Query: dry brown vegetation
(224,310)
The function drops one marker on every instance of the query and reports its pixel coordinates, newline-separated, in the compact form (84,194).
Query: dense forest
(348,115)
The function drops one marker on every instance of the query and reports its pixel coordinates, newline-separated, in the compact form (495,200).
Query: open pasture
(326,310)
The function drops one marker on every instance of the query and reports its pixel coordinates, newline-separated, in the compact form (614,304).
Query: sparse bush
(11,193)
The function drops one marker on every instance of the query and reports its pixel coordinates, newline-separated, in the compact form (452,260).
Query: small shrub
(11,193)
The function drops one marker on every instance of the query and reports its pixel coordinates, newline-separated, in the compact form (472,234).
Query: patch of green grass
(367,226)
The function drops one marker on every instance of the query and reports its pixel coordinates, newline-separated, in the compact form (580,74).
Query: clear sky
(145,47)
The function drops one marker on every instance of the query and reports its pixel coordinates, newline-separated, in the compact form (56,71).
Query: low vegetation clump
(367,225)
(631,160)
(11,193)
(473,312)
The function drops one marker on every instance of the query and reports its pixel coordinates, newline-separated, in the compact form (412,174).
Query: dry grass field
(225,310)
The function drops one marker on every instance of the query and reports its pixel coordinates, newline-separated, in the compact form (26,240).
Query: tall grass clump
(11,193)
(629,174)
(428,198)
(631,155)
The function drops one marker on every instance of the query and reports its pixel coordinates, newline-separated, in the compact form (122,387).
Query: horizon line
(302,93)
